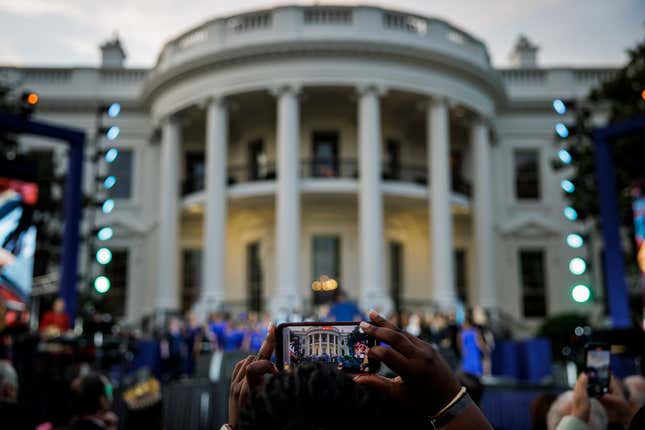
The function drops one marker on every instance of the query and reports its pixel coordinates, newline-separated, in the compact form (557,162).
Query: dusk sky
(68,32)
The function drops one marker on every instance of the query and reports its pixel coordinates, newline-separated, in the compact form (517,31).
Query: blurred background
(173,179)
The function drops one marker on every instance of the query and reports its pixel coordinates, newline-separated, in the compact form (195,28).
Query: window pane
(527,174)
(117,271)
(325,154)
(121,168)
(195,172)
(192,277)
(461,276)
(533,278)
(254,276)
(326,261)
(396,275)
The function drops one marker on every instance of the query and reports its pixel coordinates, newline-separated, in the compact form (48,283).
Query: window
(253,277)
(257,158)
(533,278)
(527,174)
(461,277)
(117,271)
(396,275)
(192,277)
(325,155)
(393,160)
(121,168)
(195,172)
(326,261)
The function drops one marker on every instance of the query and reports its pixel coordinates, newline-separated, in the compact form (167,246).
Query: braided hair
(315,396)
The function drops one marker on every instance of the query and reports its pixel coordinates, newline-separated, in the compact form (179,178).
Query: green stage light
(577,266)
(102,284)
(103,256)
(574,240)
(581,293)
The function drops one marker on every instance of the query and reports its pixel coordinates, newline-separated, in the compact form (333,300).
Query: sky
(68,32)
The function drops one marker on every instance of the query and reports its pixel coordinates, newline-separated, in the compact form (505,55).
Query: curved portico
(428,86)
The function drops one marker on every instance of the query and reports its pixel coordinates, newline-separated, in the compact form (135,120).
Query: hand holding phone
(598,359)
(343,345)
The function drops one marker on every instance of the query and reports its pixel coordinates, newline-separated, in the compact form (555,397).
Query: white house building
(382,148)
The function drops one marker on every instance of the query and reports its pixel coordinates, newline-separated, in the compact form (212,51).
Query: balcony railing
(329,168)
(319,168)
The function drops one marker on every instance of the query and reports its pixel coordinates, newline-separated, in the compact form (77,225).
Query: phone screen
(598,360)
(343,346)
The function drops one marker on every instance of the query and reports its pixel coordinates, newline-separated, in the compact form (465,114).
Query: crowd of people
(429,358)
(464,339)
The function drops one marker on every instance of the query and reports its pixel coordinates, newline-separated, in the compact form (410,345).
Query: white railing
(310,22)
(329,16)
(250,22)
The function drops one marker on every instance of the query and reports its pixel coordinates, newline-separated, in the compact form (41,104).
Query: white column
(438,123)
(483,215)
(214,254)
(287,295)
(370,211)
(168,264)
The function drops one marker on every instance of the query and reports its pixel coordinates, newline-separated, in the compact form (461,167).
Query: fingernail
(364,325)
(270,326)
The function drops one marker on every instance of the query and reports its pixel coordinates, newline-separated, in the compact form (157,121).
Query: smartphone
(343,345)
(598,359)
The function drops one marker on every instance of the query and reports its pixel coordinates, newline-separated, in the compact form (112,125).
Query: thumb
(376,382)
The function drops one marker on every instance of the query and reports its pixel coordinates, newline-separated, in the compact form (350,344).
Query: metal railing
(329,168)
(325,168)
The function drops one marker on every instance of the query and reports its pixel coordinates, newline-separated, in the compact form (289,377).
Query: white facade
(379,84)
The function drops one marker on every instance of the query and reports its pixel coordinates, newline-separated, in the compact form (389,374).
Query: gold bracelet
(454,400)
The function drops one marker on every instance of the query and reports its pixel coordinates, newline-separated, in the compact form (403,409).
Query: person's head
(93,394)
(8,382)
(563,406)
(191,318)
(59,305)
(317,396)
(635,385)
(174,325)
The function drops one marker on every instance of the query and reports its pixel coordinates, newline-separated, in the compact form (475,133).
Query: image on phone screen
(598,360)
(342,346)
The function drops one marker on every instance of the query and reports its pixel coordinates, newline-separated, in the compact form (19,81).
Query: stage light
(643,95)
(577,266)
(113,110)
(574,240)
(107,206)
(581,293)
(567,186)
(109,182)
(103,256)
(32,99)
(105,233)
(561,130)
(111,155)
(564,156)
(112,132)
(559,106)
(102,284)
(570,213)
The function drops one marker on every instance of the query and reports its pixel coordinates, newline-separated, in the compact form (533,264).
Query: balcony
(318,168)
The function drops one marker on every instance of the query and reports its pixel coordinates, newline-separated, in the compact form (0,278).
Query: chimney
(112,54)
(524,54)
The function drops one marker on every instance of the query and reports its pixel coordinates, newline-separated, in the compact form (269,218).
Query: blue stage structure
(609,214)
(75,139)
